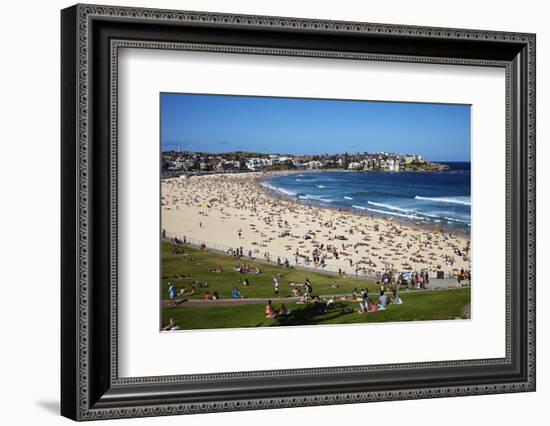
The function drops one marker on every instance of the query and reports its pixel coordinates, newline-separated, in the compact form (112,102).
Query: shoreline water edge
(405,216)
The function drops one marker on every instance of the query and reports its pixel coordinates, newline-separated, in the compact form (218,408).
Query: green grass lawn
(417,306)
(198,264)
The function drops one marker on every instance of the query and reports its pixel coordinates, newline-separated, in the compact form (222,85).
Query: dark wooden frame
(90,386)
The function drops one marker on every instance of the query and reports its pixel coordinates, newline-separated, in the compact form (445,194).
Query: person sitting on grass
(171,293)
(236,293)
(327,304)
(296,291)
(185,292)
(283,311)
(382,301)
(269,311)
(276,285)
(215,296)
(218,269)
(308,287)
(396,300)
(364,303)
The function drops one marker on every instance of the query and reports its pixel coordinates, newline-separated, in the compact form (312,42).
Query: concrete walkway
(226,302)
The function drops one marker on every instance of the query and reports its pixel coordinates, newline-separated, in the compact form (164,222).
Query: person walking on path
(309,288)
(171,293)
(277,286)
(236,293)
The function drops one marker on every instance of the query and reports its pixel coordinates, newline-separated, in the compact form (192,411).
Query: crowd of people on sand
(223,209)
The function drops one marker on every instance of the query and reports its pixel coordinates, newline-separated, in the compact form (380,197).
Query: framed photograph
(263,212)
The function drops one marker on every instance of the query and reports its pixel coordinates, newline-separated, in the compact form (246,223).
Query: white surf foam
(454,219)
(465,201)
(408,216)
(286,192)
(389,207)
(277,189)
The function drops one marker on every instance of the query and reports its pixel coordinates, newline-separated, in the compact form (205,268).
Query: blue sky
(220,123)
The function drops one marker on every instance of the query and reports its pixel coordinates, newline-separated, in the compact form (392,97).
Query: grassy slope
(428,305)
(260,285)
(436,305)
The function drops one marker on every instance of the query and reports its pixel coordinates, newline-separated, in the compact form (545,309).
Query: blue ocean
(438,198)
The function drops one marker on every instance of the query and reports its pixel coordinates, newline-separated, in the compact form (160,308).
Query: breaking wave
(465,201)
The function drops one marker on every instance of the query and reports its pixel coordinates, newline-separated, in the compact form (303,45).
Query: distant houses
(262,163)
(195,162)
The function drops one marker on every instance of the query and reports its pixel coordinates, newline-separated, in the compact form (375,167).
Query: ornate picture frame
(91,37)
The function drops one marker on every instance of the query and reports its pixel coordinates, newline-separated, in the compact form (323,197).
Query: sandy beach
(230,211)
